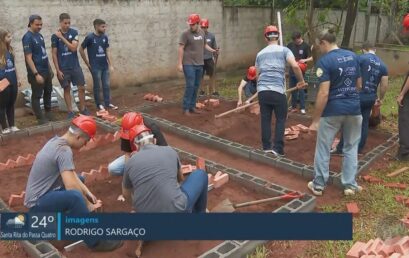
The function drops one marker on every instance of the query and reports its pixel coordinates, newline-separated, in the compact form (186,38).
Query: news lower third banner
(176,226)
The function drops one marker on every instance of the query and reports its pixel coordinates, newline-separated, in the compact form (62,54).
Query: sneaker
(335,152)
(101,108)
(351,191)
(107,245)
(201,93)
(85,112)
(215,94)
(274,152)
(50,116)
(6,131)
(303,112)
(71,115)
(313,189)
(112,106)
(14,129)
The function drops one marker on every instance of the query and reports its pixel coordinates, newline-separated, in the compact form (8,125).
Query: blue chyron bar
(176,226)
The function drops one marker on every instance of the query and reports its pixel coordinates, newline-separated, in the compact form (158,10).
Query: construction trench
(230,145)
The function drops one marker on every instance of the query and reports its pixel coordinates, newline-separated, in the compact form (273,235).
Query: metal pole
(280,28)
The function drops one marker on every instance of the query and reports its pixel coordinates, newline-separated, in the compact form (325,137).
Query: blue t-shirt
(270,63)
(33,43)
(9,70)
(341,68)
(97,46)
(372,70)
(67,60)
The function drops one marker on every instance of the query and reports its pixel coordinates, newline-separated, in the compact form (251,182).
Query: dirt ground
(245,128)
(14,181)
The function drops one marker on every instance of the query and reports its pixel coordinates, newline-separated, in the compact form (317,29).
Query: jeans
(98,76)
(366,107)
(41,90)
(270,101)
(195,188)
(403,123)
(7,100)
(328,128)
(116,167)
(298,94)
(70,201)
(193,77)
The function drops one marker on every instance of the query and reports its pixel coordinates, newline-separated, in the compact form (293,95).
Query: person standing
(8,72)
(337,106)
(190,61)
(270,63)
(374,72)
(39,72)
(64,45)
(99,62)
(209,59)
(302,54)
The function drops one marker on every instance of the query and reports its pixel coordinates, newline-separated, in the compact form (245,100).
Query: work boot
(49,115)
(107,245)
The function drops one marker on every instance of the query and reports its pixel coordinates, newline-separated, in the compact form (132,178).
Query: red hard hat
(405,21)
(87,124)
(134,132)
(129,120)
(303,66)
(204,23)
(252,73)
(270,28)
(193,19)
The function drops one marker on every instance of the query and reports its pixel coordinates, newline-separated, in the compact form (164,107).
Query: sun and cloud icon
(17,222)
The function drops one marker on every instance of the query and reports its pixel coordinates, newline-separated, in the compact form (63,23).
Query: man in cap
(54,186)
(39,72)
(190,61)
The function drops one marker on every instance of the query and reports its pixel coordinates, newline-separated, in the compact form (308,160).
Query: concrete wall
(143,34)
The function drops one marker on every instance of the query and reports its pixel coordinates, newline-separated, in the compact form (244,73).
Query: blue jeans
(116,167)
(366,107)
(296,95)
(328,128)
(195,188)
(98,76)
(271,101)
(193,77)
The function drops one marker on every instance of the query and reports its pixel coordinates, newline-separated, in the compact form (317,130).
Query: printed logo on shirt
(9,63)
(347,82)
(344,59)
(44,52)
(66,51)
(103,40)
(319,72)
(95,42)
(197,38)
(101,52)
(41,38)
(301,51)
(10,66)
(70,36)
(350,71)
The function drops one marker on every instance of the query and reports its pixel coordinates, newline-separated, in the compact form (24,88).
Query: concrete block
(40,129)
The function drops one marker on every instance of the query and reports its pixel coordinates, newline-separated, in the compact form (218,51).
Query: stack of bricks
(106,116)
(200,105)
(95,175)
(397,247)
(16,199)
(153,97)
(375,180)
(218,180)
(212,102)
(101,140)
(21,161)
(293,132)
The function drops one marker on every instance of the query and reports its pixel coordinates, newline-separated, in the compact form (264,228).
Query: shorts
(74,76)
(208,67)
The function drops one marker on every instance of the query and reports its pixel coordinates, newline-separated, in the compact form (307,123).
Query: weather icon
(17,222)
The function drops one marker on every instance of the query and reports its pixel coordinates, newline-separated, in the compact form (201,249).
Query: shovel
(226,206)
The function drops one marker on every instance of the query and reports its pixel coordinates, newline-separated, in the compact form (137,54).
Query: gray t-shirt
(194,43)
(211,42)
(152,174)
(270,63)
(54,158)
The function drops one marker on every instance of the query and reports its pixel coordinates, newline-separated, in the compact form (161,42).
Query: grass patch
(260,252)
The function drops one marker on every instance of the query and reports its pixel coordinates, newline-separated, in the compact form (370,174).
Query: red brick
(402,246)
(303,128)
(376,246)
(16,199)
(365,249)
(186,169)
(287,131)
(291,137)
(102,113)
(220,179)
(396,185)
(395,255)
(400,198)
(295,128)
(30,159)
(386,250)
(353,208)
(11,163)
(201,163)
(355,249)
(200,105)
(21,161)
(371,179)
